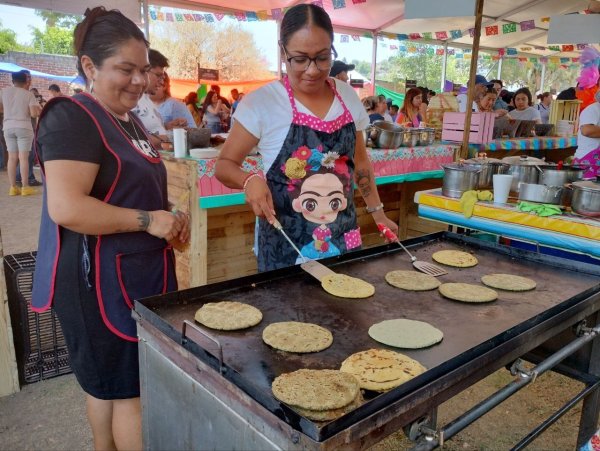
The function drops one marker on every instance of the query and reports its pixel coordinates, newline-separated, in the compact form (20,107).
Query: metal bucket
(458,178)
(553,176)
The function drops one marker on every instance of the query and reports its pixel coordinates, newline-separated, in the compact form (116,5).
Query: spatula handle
(391,236)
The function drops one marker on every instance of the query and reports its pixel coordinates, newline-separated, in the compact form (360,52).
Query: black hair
(527,92)
(100,34)
(299,16)
(508,96)
(19,77)
(53,87)
(492,82)
(157,59)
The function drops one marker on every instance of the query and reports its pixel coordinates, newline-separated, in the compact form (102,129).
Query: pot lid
(588,185)
(460,167)
(523,160)
(483,160)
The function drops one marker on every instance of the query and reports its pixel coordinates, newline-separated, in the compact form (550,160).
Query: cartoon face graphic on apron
(311,184)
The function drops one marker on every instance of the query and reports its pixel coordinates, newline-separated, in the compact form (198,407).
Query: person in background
(507,98)
(191,101)
(588,138)
(19,105)
(384,109)
(224,101)
(480,87)
(410,112)
(524,109)
(567,94)
(430,95)
(145,108)
(54,90)
(394,112)
(235,95)
(32,181)
(374,108)
(308,127)
(215,112)
(545,99)
(340,70)
(106,223)
(39,97)
(499,104)
(173,112)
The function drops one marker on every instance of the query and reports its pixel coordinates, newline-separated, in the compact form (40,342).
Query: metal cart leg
(590,411)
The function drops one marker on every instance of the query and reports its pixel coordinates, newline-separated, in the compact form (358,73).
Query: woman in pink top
(409,113)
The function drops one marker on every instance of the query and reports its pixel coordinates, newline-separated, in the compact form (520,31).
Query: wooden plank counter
(222,239)
(552,148)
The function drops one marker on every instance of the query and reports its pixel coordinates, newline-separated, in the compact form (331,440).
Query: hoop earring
(91,88)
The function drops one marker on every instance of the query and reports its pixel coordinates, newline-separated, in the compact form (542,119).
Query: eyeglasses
(323,62)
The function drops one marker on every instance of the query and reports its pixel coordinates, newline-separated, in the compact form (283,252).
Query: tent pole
(373,63)
(444,65)
(543,77)
(464,151)
(146,16)
(279,60)
(499,77)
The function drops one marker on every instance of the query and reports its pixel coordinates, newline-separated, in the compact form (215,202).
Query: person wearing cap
(340,70)
(480,84)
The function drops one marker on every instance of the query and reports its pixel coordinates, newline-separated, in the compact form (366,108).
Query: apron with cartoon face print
(312,188)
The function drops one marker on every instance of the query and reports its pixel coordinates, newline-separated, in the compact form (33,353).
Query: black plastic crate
(39,343)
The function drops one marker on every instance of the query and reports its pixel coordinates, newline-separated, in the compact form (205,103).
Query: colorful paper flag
(522,59)
(339,4)
(414,36)
(533,59)
(456,34)
(501,52)
(467,51)
(430,51)
(458,56)
(393,47)
(355,37)
(153,15)
(441,35)
(554,60)
(575,60)
(545,19)
(568,48)
(179,17)
(188,17)
(581,46)
(439,51)
(169,17)
(511,51)
(251,16)
(344,38)
(554,48)
(427,35)
(411,49)
(467,56)
(491,30)
(509,28)
(277,14)
(527,25)
(210,18)
(472,32)
(198,17)
(402,37)
(565,60)
(525,49)
(496,57)
(402,48)
(543,60)
(421,50)
(262,15)
(451,52)
(160,16)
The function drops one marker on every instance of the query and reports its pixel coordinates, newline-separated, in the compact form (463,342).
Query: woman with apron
(308,128)
(588,139)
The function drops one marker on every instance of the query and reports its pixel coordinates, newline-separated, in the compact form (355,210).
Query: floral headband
(303,159)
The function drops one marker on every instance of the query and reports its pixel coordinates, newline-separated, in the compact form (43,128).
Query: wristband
(248,178)
(374,209)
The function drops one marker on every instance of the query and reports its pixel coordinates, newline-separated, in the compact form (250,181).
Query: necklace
(119,120)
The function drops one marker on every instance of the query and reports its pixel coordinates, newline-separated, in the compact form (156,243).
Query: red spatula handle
(387,233)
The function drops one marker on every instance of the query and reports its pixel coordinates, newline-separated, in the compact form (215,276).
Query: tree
(54,19)
(223,46)
(54,40)
(8,40)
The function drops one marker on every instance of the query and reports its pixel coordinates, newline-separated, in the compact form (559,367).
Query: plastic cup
(179,142)
(502,184)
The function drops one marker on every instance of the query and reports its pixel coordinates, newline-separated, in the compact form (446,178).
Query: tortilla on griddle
(412,280)
(345,286)
(227,315)
(381,370)
(457,259)
(316,389)
(466,292)
(508,282)
(293,336)
(405,333)
(331,414)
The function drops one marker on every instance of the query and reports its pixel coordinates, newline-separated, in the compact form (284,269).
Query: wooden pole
(464,150)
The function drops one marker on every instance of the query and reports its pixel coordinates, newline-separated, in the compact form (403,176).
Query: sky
(20,19)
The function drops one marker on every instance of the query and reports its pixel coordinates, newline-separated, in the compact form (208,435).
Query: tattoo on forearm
(144,220)
(362,177)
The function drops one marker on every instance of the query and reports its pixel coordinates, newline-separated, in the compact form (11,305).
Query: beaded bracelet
(248,178)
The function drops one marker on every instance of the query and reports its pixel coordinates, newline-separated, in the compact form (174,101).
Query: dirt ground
(50,415)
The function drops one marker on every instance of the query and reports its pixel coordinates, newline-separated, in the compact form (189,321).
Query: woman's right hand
(258,196)
(165,224)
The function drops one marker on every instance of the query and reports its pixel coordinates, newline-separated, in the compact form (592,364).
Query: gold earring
(91,88)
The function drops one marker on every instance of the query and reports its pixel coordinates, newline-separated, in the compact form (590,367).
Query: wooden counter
(552,148)
(223,225)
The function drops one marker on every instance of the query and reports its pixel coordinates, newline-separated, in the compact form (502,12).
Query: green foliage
(8,40)
(54,40)
(54,19)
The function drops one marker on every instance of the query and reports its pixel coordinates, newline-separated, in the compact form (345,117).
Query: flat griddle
(470,330)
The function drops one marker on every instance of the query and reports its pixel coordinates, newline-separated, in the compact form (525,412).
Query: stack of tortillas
(345,286)
(293,336)
(454,258)
(405,333)
(227,315)
(508,282)
(466,292)
(381,370)
(412,280)
(320,395)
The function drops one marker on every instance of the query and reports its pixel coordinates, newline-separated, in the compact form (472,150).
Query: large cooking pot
(541,193)
(524,169)
(367,135)
(426,136)
(458,178)
(586,197)
(559,175)
(386,135)
(488,167)
(410,137)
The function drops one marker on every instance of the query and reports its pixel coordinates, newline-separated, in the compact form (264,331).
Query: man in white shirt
(19,106)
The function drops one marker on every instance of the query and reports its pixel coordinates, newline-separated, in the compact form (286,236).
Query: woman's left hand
(184,233)
(381,218)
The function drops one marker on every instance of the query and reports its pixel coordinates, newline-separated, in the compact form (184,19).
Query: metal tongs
(313,267)
(427,268)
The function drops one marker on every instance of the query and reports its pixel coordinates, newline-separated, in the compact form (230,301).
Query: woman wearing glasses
(308,128)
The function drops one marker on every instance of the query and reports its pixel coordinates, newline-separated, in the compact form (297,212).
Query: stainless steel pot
(586,198)
(367,136)
(386,135)
(426,136)
(524,169)
(410,137)
(488,167)
(541,193)
(553,176)
(458,178)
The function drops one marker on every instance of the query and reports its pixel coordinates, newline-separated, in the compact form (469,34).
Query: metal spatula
(313,267)
(426,267)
